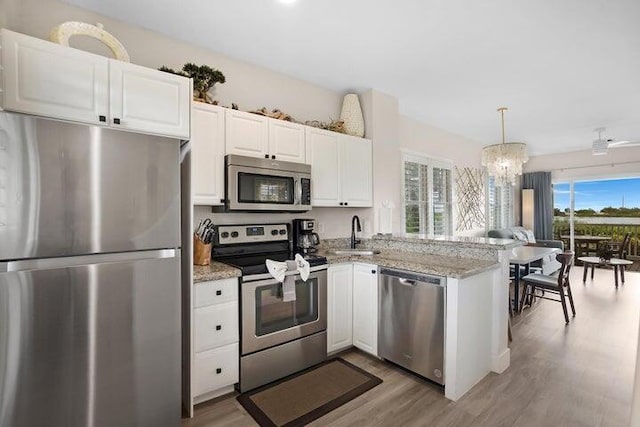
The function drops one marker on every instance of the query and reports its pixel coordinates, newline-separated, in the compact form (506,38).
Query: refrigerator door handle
(74,261)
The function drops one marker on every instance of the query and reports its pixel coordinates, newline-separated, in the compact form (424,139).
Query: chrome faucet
(355,220)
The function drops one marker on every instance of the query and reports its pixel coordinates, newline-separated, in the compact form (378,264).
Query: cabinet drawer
(215,369)
(215,326)
(216,292)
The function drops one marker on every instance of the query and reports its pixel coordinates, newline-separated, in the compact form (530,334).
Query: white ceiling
(562,67)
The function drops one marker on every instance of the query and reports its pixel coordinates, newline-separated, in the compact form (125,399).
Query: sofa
(548,264)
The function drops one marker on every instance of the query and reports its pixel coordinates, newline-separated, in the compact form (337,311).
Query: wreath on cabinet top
(63,32)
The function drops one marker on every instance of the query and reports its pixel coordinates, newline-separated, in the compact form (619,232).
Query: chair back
(624,247)
(566,259)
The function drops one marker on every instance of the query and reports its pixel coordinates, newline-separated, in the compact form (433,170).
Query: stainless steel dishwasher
(411,329)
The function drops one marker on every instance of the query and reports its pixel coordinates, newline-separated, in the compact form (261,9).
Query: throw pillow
(520,235)
(530,237)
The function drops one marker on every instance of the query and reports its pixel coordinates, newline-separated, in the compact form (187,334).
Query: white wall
(392,134)
(635,404)
(583,165)
(439,143)
(8,10)
(331,222)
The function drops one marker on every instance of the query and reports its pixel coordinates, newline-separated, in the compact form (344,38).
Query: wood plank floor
(575,375)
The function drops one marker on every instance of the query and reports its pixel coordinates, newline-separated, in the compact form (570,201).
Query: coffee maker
(305,241)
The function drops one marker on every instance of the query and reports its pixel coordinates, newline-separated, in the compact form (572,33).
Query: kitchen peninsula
(476,303)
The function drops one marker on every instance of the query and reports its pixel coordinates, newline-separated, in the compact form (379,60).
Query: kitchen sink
(349,251)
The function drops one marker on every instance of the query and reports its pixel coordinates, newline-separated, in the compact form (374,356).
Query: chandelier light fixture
(504,161)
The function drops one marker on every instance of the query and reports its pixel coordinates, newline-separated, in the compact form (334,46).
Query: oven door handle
(298,190)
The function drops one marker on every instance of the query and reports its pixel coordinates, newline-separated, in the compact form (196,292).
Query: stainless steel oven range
(277,338)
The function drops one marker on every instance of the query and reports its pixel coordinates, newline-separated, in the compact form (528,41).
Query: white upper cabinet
(365,308)
(149,101)
(324,154)
(46,79)
(254,135)
(340,307)
(357,171)
(207,154)
(247,134)
(341,168)
(286,141)
(50,80)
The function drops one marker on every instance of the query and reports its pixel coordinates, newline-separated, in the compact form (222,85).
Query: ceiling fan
(601,146)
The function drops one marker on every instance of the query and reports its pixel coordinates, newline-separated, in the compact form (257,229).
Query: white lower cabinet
(215,326)
(365,307)
(340,307)
(215,369)
(215,348)
(352,295)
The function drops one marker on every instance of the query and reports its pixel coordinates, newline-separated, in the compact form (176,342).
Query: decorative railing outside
(588,226)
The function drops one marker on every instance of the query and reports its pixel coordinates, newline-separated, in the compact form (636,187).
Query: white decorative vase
(351,115)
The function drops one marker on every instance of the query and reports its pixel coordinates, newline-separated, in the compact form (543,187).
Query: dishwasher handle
(410,278)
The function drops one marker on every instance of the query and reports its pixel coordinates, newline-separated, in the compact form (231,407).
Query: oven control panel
(234,234)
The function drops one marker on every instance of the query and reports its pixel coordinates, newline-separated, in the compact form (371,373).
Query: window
(428,196)
(500,205)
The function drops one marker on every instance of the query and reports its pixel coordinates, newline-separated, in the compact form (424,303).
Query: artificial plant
(204,78)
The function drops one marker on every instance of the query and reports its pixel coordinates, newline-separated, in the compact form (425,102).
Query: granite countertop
(440,265)
(470,242)
(214,271)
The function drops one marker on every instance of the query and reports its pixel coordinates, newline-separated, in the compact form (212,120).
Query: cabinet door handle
(346,204)
(218,327)
(266,156)
(218,292)
(341,204)
(373,272)
(218,370)
(102,118)
(116,121)
(273,157)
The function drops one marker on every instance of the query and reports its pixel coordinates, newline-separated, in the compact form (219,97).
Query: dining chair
(553,284)
(623,250)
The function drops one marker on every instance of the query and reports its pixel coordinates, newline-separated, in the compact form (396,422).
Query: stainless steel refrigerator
(89,276)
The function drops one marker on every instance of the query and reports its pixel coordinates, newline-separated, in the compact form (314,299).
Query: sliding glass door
(589,213)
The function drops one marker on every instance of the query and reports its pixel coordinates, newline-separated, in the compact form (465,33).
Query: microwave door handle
(298,188)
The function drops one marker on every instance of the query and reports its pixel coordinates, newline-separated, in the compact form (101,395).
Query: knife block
(201,252)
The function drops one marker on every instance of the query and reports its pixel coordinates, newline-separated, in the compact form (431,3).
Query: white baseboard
(500,363)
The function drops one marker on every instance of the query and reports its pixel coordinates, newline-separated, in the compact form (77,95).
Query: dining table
(521,257)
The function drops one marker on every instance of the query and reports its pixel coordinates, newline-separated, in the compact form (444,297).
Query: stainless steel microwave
(254,184)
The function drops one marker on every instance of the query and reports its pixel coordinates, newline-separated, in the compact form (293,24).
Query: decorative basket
(352,115)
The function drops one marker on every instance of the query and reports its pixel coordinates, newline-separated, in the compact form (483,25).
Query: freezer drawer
(68,189)
(411,323)
(91,344)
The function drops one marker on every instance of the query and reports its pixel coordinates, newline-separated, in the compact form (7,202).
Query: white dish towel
(278,271)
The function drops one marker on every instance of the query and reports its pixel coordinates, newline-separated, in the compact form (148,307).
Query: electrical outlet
(367,226)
